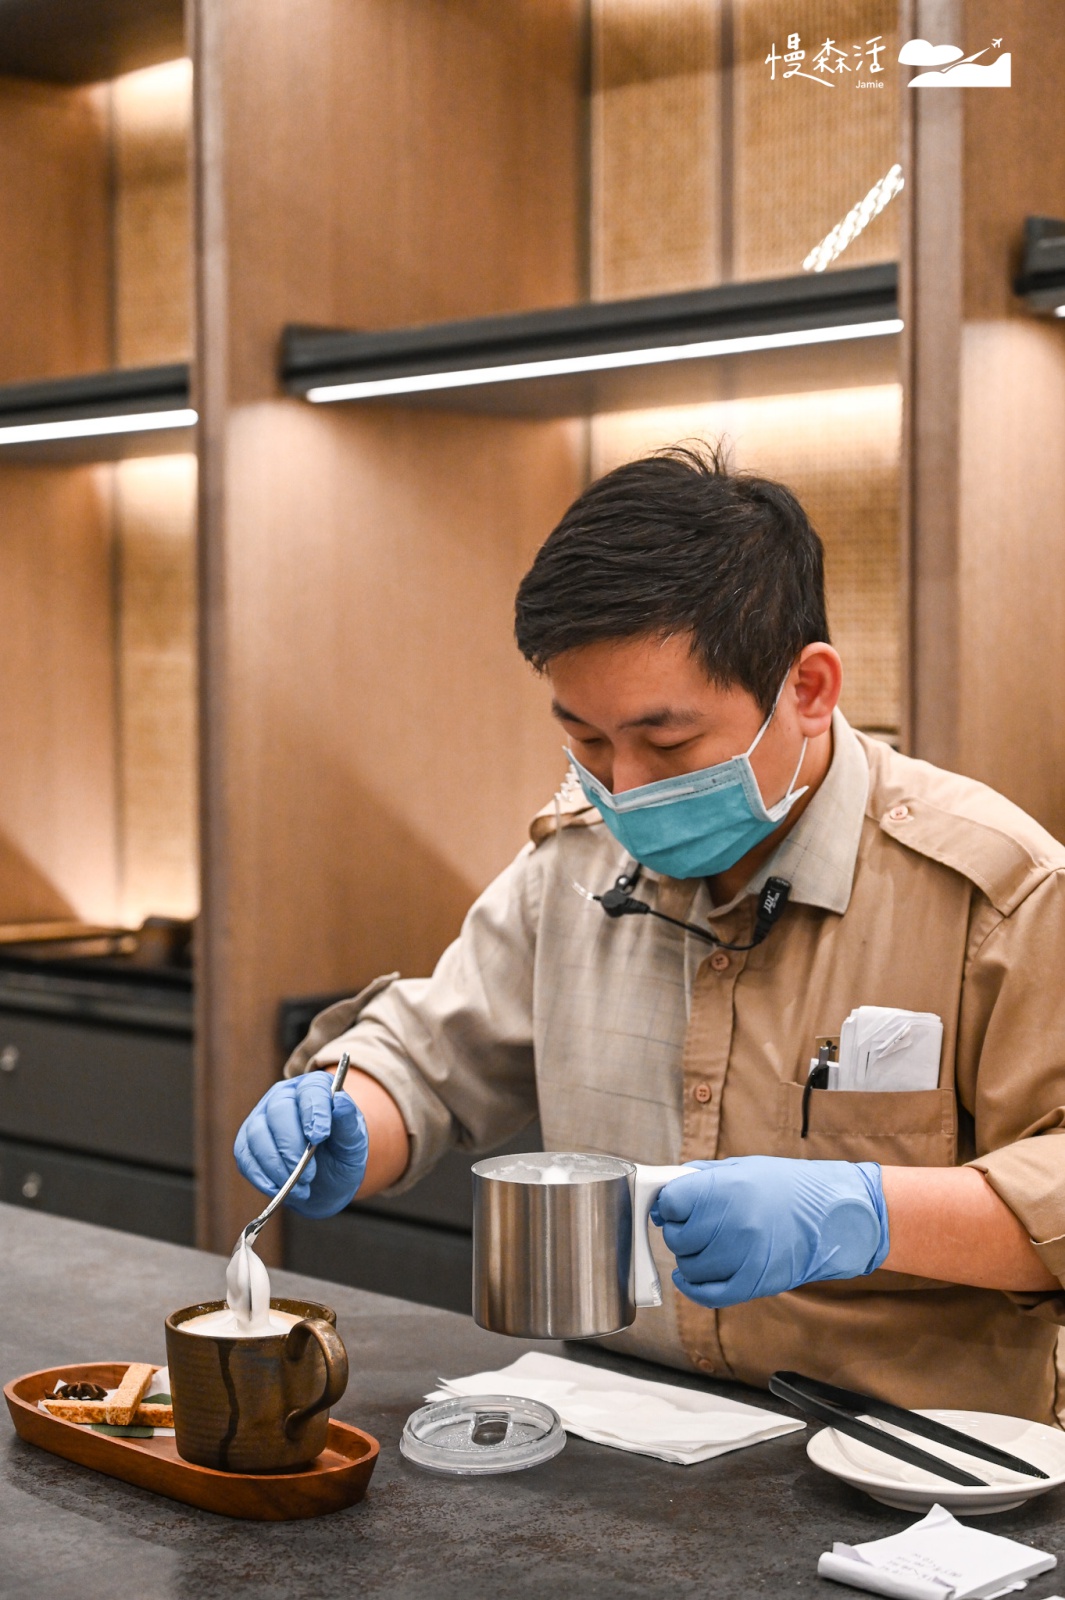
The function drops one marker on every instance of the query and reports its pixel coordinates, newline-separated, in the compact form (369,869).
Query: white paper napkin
(652,1419)
(939,1558)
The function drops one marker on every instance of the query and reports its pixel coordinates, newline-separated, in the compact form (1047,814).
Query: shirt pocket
(908,1128)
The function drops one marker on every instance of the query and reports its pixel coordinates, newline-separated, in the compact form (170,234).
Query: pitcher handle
(647,1186)
(335,1357)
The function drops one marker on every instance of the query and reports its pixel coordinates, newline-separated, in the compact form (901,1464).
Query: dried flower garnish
(78,1391)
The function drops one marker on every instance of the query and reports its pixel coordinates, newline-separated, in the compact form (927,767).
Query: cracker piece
(84,1411)
(156,1416)
(126,1398)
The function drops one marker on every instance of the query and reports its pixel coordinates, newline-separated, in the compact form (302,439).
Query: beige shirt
(911,887)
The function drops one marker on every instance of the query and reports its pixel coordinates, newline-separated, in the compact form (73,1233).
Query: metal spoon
(255,1225)
(243,1264)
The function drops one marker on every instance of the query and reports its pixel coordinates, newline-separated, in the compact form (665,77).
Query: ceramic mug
(258,1404)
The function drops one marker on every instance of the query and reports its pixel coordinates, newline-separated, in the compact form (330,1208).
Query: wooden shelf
(89,41)
(646,336)
(129,391)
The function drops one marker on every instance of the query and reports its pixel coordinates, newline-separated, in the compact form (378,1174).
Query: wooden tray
(337,1479)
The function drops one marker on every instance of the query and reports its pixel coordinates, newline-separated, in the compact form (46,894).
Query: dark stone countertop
(597,1523)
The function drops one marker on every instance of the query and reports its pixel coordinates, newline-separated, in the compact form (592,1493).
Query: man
(878,1239)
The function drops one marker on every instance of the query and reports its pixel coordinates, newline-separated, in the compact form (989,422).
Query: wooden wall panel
(400,163)
(1011,729)
(930,303)
(371,742)
(1012,426)
(57,744)
(986,423)
(57,737)
(54,230)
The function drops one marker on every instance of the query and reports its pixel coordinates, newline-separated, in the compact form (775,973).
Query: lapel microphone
(619,901)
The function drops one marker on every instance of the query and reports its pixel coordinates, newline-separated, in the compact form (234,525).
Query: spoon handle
(298,1170)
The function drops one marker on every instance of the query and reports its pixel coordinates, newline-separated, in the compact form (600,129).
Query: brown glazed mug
(257,1404)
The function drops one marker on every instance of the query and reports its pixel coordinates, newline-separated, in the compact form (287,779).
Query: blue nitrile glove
(272,1139)
(757,1225)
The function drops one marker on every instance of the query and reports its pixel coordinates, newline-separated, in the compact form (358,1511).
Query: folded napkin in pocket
(652,1419)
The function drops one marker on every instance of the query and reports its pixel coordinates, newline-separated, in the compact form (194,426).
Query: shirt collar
(819,854)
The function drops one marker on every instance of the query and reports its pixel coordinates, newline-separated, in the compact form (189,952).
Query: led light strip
(93,427)
(425,382)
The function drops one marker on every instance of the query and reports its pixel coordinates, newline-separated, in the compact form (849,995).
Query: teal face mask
(696,824)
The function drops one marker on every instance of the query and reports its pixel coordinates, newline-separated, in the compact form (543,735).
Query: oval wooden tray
(337,1479)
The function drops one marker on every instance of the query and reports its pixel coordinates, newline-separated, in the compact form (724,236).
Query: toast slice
(87,1412)
(130,1392)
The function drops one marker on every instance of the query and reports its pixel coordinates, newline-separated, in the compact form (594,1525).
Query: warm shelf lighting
(603,361)
(94,427)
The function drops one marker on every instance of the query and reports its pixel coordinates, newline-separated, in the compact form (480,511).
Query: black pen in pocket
(818,1079)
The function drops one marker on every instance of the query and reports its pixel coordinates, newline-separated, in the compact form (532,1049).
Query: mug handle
(647,1186)
(335,1357)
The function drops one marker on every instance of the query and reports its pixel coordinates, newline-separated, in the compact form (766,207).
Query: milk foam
(248,1289)
(224,1325)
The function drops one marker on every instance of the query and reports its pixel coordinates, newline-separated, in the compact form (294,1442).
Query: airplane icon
(995,43)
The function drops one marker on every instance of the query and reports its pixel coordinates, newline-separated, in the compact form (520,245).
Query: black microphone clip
(619,900)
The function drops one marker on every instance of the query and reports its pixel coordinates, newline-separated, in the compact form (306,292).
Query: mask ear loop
(751,748)
(791,793)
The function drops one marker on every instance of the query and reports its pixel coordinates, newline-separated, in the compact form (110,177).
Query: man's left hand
(751,1226)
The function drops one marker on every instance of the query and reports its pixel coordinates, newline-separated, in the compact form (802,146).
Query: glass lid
(482,1433)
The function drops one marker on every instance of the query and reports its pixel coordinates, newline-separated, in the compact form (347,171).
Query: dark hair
(677,542)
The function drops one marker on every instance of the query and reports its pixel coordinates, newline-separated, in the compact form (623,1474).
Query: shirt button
(899,813)
(720,961)
(702,1092)
(704,1364)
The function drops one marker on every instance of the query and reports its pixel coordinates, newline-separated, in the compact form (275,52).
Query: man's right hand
(273,1138)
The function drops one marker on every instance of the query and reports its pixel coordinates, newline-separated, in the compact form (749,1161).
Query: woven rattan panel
(151,113)
(155,508)
(808,148)
(701,171)
(839,451)
(655,146)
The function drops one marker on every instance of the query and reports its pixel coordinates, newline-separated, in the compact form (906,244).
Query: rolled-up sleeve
(454,1051)
(1012,1051)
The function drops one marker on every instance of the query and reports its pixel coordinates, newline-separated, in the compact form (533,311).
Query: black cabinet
(96,1094)
(93,1086)
(114,1194)
(390,1255)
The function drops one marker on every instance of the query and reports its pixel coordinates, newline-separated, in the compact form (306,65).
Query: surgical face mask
(696,824)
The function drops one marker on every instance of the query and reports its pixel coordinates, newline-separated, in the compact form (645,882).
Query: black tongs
(840,1408)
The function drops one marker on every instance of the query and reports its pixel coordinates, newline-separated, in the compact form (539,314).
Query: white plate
(896,1483)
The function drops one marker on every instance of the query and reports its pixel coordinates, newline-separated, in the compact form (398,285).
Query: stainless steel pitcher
(560,1245)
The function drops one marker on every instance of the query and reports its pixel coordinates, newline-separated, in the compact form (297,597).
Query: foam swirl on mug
(248,1313)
